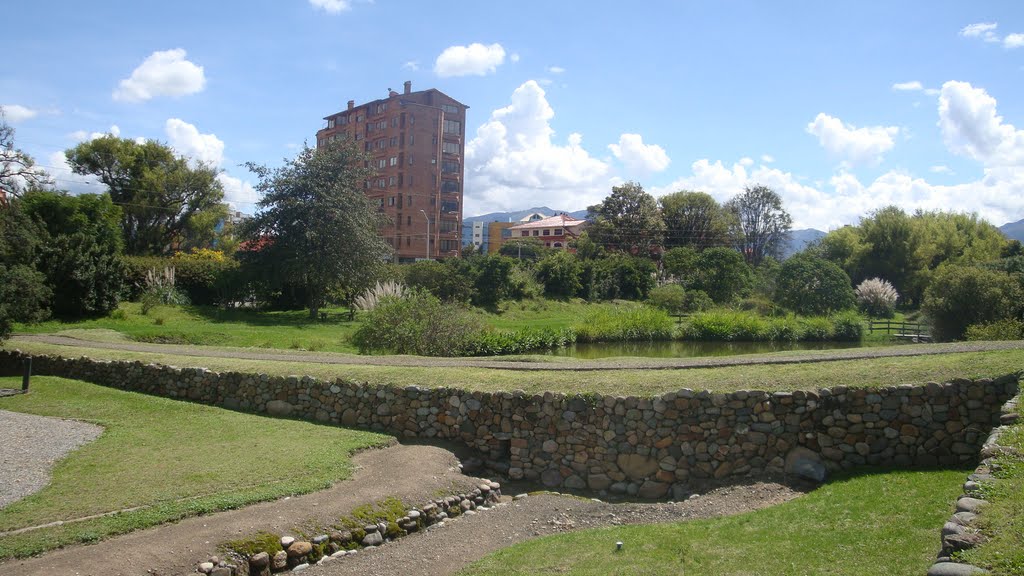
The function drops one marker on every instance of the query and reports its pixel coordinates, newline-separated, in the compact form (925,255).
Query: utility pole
(424,212)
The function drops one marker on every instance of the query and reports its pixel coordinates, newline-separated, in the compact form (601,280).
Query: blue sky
(841,107)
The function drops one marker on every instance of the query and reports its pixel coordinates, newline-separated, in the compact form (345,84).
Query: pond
(683,349)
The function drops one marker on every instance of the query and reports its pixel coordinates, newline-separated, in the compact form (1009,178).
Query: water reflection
(678,349)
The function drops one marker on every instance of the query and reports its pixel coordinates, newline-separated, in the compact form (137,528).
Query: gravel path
(30,446)
(577,365)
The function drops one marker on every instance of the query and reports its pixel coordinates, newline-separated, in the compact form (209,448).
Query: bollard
(26,374)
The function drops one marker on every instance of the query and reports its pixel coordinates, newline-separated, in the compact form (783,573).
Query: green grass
(873,523)
(209,325)
(1002,521)
(181,459)
(777,377)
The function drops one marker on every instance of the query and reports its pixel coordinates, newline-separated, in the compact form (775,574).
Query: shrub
(625,324)
(698,301)
(877,298)
(960,296)
(560,272)
(202,278)
(721,273)
(523,285)
(442,279)
(623,277)
(810,285)
(161,289)
(1005,329)
(418,323)
(847,326)
(670,298)
(725,325)
(369,299)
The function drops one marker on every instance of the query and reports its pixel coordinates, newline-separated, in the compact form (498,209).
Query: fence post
(26,374)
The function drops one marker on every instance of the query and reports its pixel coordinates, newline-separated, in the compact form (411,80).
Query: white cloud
(638,156)
(187,141)
(331,6)
(241,195)
(513,161)
(15,113)
(165,73)
(473,60)
(411,65)
(83,136)
(556,69)
(972,127)
(858,145)
(932,91)
(65,179)
(907,86)
(984,30)
(767,158)
(514,57)
(941,169)
(1013,41)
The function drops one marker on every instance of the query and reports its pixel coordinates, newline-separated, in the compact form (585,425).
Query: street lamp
(424,212)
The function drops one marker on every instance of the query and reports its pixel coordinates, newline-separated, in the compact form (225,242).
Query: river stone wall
(641,446)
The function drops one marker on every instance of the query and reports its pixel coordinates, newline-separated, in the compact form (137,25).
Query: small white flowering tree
(877,298)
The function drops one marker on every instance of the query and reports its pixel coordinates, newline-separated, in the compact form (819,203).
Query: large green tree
(81,250)
(810,285)
(314,228)
(762,224)
(165,199)
(627,220)
(23,290)
(695,219)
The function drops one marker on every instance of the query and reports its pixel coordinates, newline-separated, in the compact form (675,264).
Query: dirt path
(414,473)
(610,364)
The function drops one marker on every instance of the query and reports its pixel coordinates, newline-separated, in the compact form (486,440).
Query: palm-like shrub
(877,297)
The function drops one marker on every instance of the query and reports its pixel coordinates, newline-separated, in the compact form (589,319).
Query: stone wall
(642,446)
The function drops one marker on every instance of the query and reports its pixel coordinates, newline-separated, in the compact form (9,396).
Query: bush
(418,323)
(810,285)
(877,298)
(670,298)
(625,324)
(721,273)
(847,327)
(960,296)
(698,301)
(202,280)
(442,279)
(728,326)
(1005,329)
(623,277)
(560,273)
(368,300)
(523,285)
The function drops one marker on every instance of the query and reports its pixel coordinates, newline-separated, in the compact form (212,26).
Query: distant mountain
(799,239)
(1014,230)
(515,216)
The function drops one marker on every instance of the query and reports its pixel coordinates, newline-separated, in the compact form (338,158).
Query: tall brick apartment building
(417,144)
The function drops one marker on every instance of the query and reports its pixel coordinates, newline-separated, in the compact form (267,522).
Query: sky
(840,107)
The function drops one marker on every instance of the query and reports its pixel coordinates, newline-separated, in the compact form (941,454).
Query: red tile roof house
(554,232)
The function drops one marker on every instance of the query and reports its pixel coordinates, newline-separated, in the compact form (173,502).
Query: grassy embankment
(873,523)
(176,459)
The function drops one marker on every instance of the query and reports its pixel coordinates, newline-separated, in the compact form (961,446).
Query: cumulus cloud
(239,194)
(514,160)
(638,156)
(556,69)
(187,141)
(15,113)
(165,73)
(83,136)
(473,60)
(1013,41)
(767,158)
(971,126)
(984,30)
(411,65)
(331,6)
(857,145)
(907,86)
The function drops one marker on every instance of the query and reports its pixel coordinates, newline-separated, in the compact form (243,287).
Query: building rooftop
(557,221)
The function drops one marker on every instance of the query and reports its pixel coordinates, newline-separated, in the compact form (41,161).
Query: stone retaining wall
(641,446)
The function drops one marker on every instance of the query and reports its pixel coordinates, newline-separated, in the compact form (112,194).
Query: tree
(810,285)
(81,250)
(314,227)
(623,276)
(164,199)
(23,290)
(721,273)
(762,224)
(960,296)
(523,248)
(695,219)
(17,169)
(627,220)
(560,273)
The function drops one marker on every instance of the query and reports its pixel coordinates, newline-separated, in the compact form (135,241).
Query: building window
(558,231)
(393,161)
(547,244)
(343,120)
(547,232)
(524,234)
(391,201)
(450,147)
(453,127)
(449,109)
(408,219)
(359,117)
(558,244)
(381,163)
(410,159)
(380,202)
(449,206)
(408,200)
(536,232)
(381,108)
(449,245)
(330,123)
(450,167)
(394,142)
(359,136)
(412,139)
(449,186)
(382,183)
(391,180)
(448,225)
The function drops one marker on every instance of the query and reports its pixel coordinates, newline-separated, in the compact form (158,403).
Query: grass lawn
(181,459)
(1003,519)
(873,523)
(775,377)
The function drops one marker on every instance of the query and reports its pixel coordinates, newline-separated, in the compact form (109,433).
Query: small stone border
(958,532)
(298,554)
